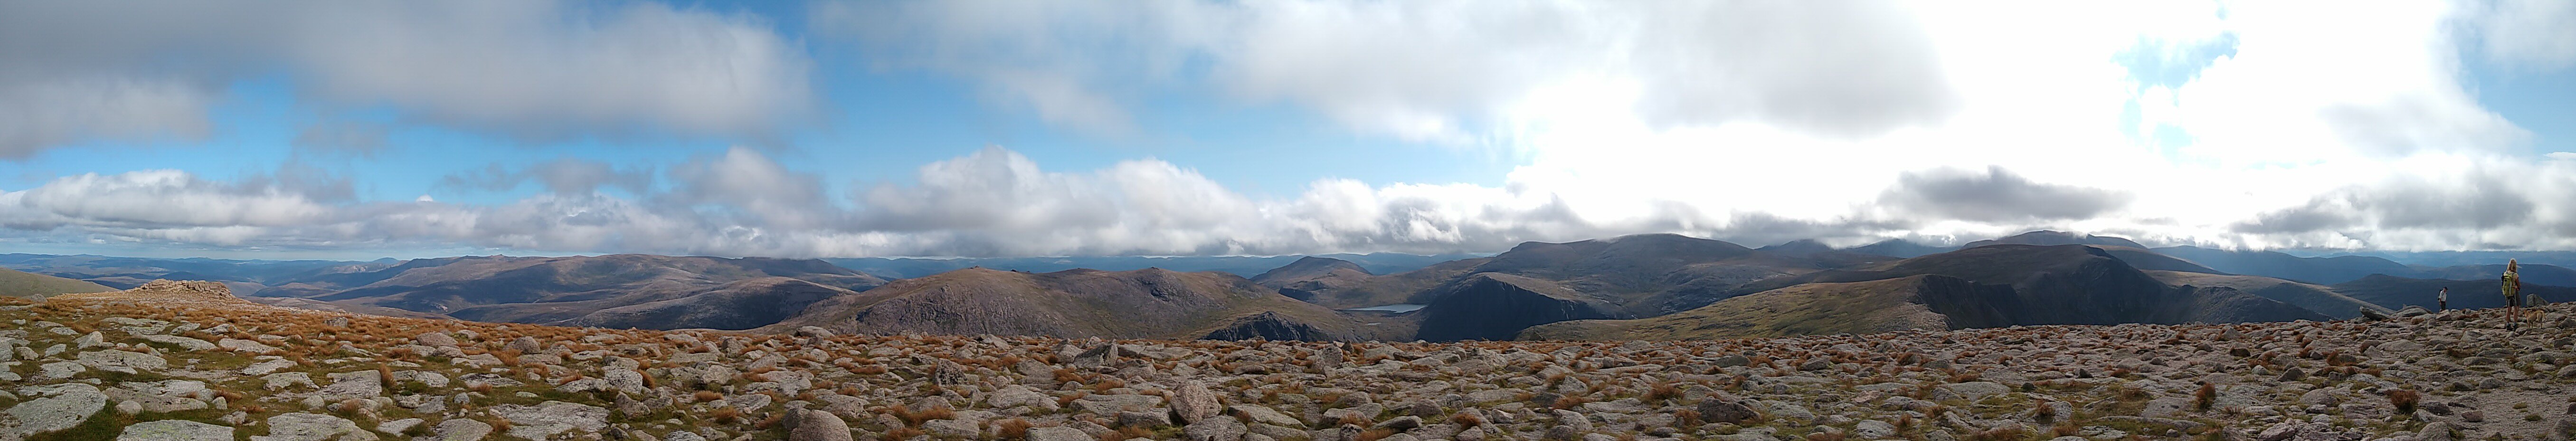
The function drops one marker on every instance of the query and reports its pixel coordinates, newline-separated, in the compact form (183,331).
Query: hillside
(2318,298)
(186,361)
(1496,306)
(15,283)
(1307,276)
(2048,237)
(2322,270)
(1889,305)
(1628,276)
(589,290)
(1980,287)
(1147,303)
(742,304)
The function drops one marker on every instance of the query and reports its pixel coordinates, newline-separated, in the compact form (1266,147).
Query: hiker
(2512,293)
(2442,302)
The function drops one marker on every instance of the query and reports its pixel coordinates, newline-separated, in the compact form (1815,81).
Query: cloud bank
(545,69)
(2241,124)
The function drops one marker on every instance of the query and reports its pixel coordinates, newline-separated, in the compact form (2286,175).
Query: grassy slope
(2312,297)
(14,283)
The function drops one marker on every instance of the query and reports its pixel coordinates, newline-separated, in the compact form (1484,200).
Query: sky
(363,129)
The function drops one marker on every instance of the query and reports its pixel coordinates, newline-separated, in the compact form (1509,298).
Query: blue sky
(972,128)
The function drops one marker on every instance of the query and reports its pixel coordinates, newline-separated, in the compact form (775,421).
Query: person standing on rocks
(2512,293)
(2442,302)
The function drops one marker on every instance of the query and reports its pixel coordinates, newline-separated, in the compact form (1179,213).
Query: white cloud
(2539,34)
(1428,70)
(139,68)
(2312,125)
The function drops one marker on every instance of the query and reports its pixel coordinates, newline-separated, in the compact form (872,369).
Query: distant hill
(741,304)
(1246,266)
(1302,279)
(2326,270)
(2531,274)
(2047,237)
(2398,292)
(1147,303)
(127,272)
(15,283)
(1986,286)
(618,290)
(1627,276)
(1900,248)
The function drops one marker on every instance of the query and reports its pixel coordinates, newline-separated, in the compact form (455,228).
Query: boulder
(1721,410)
(121,361)
(183,343)
(460,429)
(1264,415)
(1018,395)
(312,427)
(62,406)
(552,417)
(816,425)
(1192,403)
(175,430)
(525,345)
(239,345)
(435,340)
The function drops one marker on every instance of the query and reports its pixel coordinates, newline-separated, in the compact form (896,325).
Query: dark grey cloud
(139,69)
(2470,203)
(1997,196)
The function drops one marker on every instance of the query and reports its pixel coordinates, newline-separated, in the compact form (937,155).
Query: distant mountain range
(1653,286)
(1246,266)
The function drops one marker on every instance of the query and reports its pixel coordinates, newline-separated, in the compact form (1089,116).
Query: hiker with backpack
(2512,293)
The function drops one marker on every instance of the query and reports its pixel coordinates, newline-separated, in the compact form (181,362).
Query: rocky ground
(187,362)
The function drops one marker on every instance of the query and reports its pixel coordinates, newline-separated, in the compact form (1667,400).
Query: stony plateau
(113,366)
